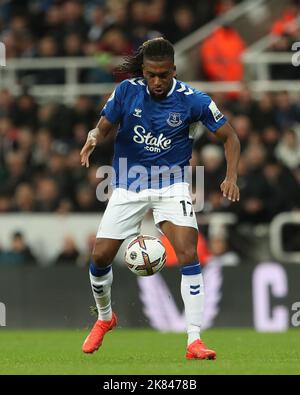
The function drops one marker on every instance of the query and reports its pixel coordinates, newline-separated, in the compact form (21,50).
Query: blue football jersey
(156,135)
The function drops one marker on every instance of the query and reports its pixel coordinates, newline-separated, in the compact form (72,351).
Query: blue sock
(98,271)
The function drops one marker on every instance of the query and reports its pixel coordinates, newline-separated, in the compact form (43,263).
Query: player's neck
(168,91)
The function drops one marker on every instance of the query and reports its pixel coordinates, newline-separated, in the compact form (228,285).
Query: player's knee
(187,255)
(101,258)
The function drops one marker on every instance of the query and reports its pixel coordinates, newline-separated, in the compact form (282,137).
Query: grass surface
(148,352)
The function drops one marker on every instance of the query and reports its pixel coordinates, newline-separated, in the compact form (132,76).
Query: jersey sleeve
(204,109)
(113,107)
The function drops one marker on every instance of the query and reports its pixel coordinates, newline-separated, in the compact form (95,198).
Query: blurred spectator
(245,105)
(215,202)
(7,137)
(17,171)
(76,172)
(73,45)
(86,199)
(288,149)
(220,55)
(57,118)
(183,23)
(47,195)
(284,191)
(270,138)
(48,48)
(46,114)
(223,6)
(42,148)
(254,192)
(264,113)
(5,203)
(24,111)
(19,252)
(83,112)
(287,23)
(69,253)
(114,42)
(65,206)
(98,24)
(28,47)
(242,125)
(117,13)
(24,198)
(221,252)
(73,21)
(57,170)
(6,103)
(212,158)
(145,20)
(54,20)
(286,111)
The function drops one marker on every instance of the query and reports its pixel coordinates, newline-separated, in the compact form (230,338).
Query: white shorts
(126,209)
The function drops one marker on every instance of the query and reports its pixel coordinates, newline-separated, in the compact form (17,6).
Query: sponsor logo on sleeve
(215,111)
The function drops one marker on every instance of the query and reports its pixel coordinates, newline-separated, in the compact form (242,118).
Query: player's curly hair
(155,49)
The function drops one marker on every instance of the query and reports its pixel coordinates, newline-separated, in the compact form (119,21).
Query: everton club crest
(174,119)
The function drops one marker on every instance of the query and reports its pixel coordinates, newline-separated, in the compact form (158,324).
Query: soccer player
(156,115)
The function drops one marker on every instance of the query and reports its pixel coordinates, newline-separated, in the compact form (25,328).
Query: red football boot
(95,338)
(198,350)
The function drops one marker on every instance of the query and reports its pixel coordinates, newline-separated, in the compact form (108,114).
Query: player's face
(159,76)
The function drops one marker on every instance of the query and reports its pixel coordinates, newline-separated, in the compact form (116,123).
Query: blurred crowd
(104,29)
(269,169)
(39,156)
(40,143)
(286,32)
(220,53)
(40,167)
(100,28)
(20,252)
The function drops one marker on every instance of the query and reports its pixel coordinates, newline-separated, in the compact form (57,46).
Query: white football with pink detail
(145,255)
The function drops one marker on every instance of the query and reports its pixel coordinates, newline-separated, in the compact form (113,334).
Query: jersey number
(184,208)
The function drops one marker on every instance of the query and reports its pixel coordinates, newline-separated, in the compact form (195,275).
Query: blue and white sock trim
(99,271)
(191,269)
(194,289)
(98,289)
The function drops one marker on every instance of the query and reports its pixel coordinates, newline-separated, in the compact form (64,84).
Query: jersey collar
(170,91)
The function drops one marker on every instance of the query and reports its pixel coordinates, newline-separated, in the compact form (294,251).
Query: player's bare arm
(95,136)
(231,143)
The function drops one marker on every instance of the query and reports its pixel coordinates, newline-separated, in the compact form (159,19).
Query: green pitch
(148,352)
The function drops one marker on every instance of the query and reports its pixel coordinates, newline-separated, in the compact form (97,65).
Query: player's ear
(174,71)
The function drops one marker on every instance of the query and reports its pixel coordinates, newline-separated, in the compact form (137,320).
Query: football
(145,255)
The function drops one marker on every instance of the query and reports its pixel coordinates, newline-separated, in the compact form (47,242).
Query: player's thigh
(176,209)
(184,240)
(176,218)
(122,217)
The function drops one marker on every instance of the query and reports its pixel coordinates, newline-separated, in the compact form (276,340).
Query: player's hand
(88,147)
(230,190)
